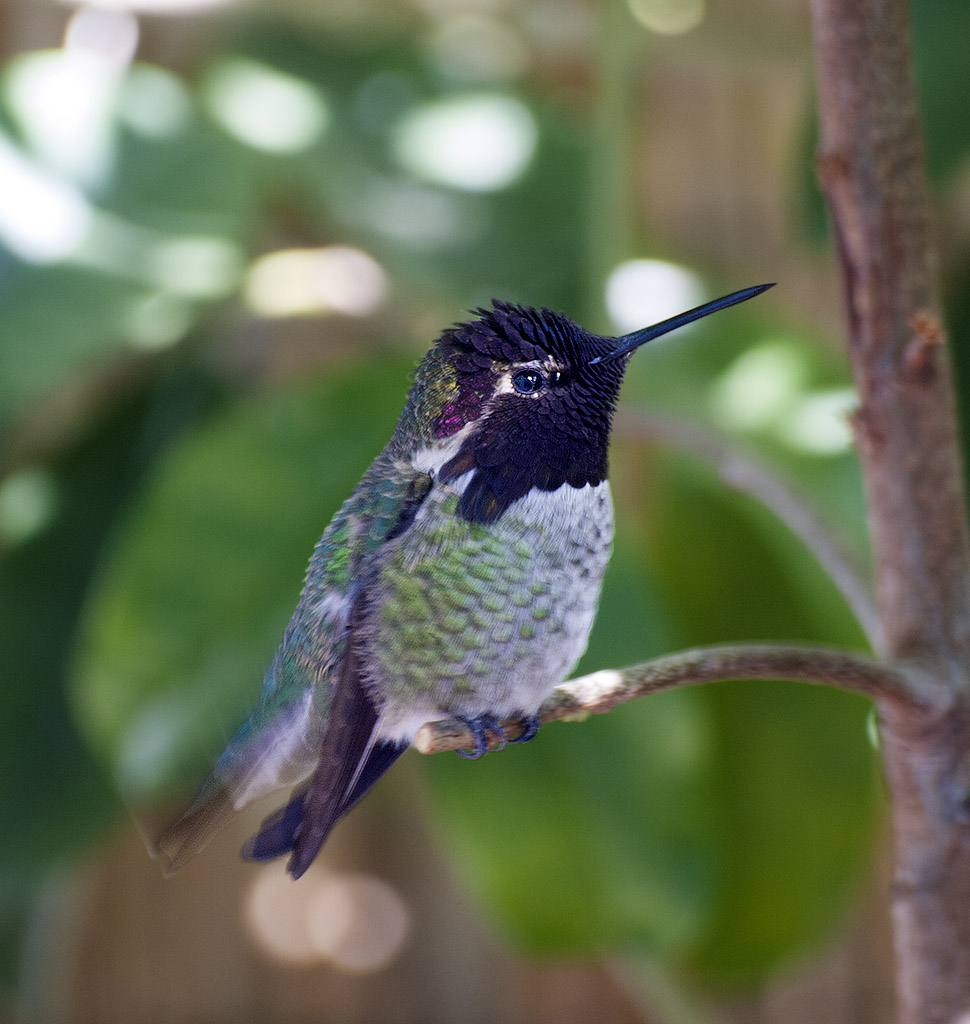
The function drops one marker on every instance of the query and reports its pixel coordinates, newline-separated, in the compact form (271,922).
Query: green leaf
(939,27)
(794,778)
(57,321)
(54,795)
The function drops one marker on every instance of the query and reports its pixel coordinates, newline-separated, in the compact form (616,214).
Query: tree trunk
(872,171)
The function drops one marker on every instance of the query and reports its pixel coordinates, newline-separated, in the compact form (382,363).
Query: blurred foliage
(158,502)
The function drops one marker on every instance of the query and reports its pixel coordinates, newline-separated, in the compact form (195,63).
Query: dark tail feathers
(277,833)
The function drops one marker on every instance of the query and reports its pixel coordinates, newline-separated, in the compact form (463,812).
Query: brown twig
(744,474)
(602,691)
(871,167)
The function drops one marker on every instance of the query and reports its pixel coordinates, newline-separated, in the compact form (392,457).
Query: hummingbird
(460,579)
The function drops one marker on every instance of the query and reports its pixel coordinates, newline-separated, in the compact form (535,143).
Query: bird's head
(522,399)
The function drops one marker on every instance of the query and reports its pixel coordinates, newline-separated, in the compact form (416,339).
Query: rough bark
(871,167)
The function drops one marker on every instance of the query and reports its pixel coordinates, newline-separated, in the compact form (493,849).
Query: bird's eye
(527,382)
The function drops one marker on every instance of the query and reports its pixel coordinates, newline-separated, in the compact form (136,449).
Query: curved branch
(744,474)
(602,691)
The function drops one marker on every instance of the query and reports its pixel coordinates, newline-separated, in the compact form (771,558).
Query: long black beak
(629,342)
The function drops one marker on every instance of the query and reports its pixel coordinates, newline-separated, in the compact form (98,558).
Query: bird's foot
(480,727)
(530,727)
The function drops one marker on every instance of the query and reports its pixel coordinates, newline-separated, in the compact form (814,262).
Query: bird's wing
(314,717)
(345,752)
(275,748)
(350,761)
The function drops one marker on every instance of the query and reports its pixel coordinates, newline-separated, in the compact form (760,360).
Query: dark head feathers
(521,334)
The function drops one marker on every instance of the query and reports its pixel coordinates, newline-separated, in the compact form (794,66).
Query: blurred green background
(227,233)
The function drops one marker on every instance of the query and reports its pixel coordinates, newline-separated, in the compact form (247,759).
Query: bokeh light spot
(479,143)
(63,101)
(643,292)
(355,922)
(358,922)
(819,422)
(154,102)
(109,32)
(196,266)
(28,502)
(668,17)
(302,282)
(276,915)
(760,387)
(173,7)
(420,216)
(477,48)
(42,218)
(265,108)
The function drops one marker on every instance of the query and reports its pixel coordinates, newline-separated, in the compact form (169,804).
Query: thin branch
(602,691)
(744,474)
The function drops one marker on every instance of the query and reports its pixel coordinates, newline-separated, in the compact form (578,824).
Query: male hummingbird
(459,579)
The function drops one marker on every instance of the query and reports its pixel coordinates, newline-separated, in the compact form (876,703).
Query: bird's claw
(530,726)
(480,727)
